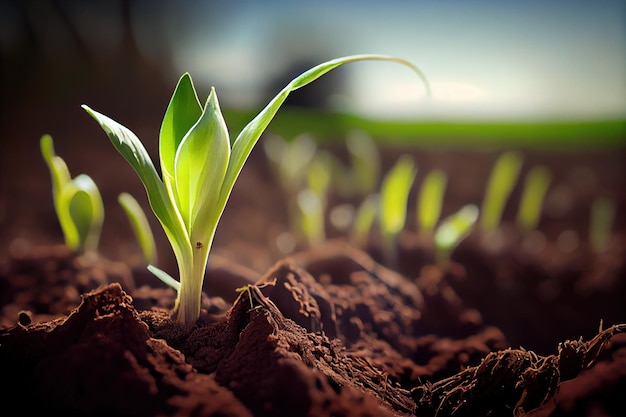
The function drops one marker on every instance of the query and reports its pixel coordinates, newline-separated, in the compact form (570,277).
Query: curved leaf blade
(183,111)
(252,132)
(200,166)
(394,193)
(453,229)
(431,200)
(87,211)
(131,148)
(141,226)
(58,168)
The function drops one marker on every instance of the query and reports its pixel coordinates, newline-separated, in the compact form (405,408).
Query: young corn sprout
(601,221)
(535,186)
(77,202)
(452,230)
(289,160)
(394,194)
(430,201)
(199,166)
(365,161)
(312,201)
(140,225)
(501,181)
(364,218)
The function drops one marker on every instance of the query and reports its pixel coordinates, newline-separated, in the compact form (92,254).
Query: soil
(334,330)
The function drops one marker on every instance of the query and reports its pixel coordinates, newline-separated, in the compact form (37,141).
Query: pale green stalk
(364,219)
(452,230)
(365,162)
(311,216)
(312,201)
(430,201)
(600,224)
(535,186)
(499,186)
(140,225)
(394,195)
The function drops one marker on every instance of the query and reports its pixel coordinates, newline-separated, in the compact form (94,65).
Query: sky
(557,59)
(484,59)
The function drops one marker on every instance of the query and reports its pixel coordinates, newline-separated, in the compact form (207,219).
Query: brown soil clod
(509,382)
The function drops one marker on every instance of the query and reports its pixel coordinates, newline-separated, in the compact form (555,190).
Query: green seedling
(364,219)
(394,195)
(140,225)
(501,181)
(199,166)
(358,178)
(452,230)
(601,222)
(365,160)
(290,160)
(430,201)
(311,219)
(533,194)
(77,202)
(312,201)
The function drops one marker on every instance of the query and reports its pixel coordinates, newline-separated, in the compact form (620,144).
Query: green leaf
(250,134)
(394,194)
(87,211)
(499,186)
(131,148)
(601,222)
(58,168)
(453,229)
(60,175)
(165,277)
(535,187)
(431,200)
(365,162)
(140,225)
(312,212)
(182,113)
(200,165)
(364,219)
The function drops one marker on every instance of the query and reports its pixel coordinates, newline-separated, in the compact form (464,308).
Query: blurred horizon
(485,60)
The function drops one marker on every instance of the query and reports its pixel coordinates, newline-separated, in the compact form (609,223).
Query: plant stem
(191,280)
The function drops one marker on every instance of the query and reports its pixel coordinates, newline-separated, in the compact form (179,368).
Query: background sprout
(499,186)
(140,225)
(535,186)
(601,221)
(394,195)
(199,166)
(431,201)
(313,200)
(452,230)
(365,159)
(289,160)
(364,219)
(77,202)
(311,216)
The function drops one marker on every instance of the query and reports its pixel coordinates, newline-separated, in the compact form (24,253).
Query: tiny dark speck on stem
(198,245)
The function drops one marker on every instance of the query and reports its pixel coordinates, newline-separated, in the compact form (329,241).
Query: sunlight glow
(454,91)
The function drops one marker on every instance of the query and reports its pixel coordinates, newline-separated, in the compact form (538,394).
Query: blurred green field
(328,126)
